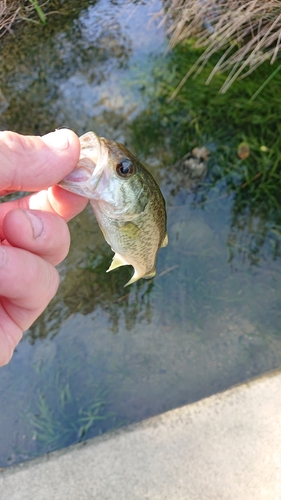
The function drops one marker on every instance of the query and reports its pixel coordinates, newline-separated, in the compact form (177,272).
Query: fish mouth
(85,177)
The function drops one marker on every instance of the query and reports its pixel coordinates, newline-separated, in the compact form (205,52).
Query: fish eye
(125,168)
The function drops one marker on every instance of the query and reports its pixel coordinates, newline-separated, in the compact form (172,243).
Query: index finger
(55,200)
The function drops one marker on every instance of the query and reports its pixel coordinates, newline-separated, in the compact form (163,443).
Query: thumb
(30,163)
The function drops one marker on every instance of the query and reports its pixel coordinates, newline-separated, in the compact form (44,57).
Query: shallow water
(102,356)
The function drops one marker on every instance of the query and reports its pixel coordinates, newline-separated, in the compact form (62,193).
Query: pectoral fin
(130,230)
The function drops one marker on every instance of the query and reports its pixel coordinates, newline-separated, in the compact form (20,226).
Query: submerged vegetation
(67,409)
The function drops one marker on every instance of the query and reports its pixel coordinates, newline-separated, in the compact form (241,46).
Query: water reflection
(43,85)
(72,76)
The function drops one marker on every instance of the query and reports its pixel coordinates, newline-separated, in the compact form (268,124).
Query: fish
(126,200)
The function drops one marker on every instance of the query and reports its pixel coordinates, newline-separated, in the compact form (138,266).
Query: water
(102,356)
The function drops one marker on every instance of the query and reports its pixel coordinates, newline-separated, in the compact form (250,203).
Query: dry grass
(247,32)
(13,11)
(9,11)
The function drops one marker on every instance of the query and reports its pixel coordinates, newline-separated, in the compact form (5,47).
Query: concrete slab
(224,447)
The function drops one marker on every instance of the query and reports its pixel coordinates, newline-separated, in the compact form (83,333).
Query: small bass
(126,200)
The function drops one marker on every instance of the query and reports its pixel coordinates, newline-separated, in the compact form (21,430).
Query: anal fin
(117,261)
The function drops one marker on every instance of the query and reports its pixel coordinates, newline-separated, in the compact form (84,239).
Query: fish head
(108,174)
(121,187)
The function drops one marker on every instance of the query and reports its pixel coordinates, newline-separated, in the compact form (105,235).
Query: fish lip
(81,173)
(80,179)
(86,175)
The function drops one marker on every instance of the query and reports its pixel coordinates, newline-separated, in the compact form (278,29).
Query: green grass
(39,11)
(199,115)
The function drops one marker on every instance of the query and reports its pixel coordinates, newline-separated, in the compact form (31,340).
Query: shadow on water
(102,355)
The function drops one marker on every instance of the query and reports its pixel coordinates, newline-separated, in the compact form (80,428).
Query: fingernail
(36,223)
(57,140)
(3,256)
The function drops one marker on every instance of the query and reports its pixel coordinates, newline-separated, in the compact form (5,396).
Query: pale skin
(33,230)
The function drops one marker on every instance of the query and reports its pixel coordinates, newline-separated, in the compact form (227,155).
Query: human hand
(33,231)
